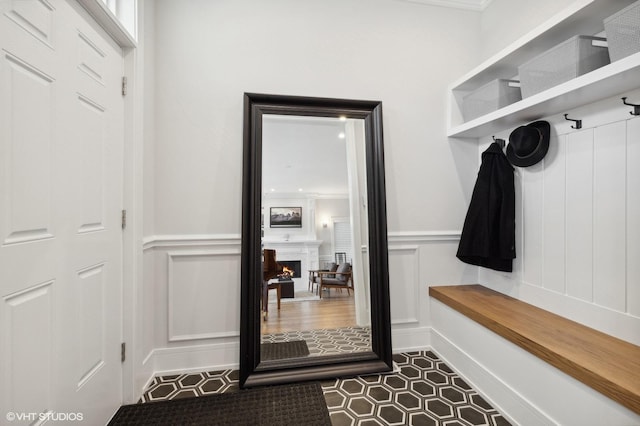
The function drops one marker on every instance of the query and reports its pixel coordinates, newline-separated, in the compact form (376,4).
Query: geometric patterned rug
(424,391)
(327,341)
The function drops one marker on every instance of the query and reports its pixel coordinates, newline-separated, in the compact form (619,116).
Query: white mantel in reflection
(306,251)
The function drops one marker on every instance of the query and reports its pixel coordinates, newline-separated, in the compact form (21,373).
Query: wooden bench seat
(607,364)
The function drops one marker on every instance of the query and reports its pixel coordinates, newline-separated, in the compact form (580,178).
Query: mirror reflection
(315,298)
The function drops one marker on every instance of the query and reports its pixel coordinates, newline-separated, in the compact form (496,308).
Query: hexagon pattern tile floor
(425,391)
(327,341)
(191,384)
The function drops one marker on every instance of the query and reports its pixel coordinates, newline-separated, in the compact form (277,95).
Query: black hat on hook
(529,144)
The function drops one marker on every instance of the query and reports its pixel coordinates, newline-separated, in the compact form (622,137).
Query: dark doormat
(283,350)
(295,404)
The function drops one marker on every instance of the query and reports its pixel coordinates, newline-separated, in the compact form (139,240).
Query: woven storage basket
(570,59)
(623,32)
(490,97)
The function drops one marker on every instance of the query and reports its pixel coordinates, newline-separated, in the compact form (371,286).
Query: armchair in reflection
(340,278)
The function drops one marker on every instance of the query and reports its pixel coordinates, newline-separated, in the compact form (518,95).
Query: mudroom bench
(607,364)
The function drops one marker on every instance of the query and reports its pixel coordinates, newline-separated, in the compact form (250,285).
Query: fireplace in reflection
(293,267)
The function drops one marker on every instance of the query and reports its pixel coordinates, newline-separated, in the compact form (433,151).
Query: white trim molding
(191,240)
(186,359)
(109,22)
(423,237)
(214,240)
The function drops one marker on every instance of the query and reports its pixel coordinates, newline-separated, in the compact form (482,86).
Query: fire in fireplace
(293,266)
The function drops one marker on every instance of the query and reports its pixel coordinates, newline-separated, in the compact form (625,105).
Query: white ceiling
(478,5)
(303,153)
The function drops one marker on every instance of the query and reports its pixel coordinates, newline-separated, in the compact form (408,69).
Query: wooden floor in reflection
(334,311)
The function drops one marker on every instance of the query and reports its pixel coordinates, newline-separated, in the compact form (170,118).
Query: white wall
(211,52)
(207,54)
(144,299)
(146,10)
(504,21)
(325,210)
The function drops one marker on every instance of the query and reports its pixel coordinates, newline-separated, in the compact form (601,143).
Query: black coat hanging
(488,234)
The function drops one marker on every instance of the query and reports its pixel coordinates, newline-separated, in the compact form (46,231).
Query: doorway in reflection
(315,214)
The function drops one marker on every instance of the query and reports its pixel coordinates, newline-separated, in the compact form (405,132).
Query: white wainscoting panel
(586,201)
(533,212)
(579,220)
(609,216)
(192,291)
(404,279)
(203,294)
(28,324)
(554,192)
(192,294)
(517,264)
(633,217)
(578,224)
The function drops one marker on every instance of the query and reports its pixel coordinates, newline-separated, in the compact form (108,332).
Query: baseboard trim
(169,361)
(410,339)
(223,356)
(516,408)
(187,359)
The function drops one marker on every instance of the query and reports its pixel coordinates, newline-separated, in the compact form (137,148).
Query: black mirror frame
(252,371)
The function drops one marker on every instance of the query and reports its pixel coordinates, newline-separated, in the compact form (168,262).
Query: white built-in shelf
(583,17)
(613,79)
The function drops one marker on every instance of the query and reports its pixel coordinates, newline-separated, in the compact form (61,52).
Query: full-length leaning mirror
(315,287)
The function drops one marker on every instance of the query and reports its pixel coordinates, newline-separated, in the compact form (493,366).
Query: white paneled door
(61,156)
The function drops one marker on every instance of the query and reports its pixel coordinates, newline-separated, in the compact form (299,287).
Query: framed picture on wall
(285,217)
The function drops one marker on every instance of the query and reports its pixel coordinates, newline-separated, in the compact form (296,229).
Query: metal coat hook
(636,108)
(498,141)
(578,122)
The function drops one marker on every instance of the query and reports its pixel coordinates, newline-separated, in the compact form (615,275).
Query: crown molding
(109,22)
(475,5)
